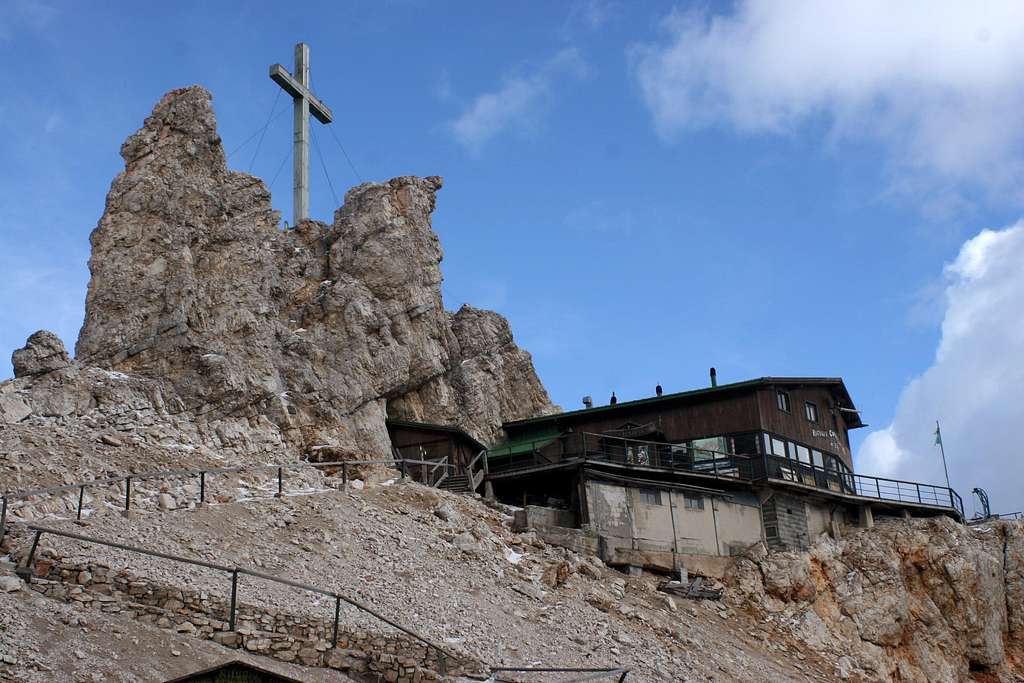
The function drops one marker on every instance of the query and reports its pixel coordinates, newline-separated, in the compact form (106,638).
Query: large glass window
(710,448)
(803,454)
(816,458)
(744,444)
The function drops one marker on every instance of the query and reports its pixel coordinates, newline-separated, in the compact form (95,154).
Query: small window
(811,411)
(693,502)
(782,399)
(803,454)
(817,459)
(650,496)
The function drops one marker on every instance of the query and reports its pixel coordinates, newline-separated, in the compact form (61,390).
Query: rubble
(384,545)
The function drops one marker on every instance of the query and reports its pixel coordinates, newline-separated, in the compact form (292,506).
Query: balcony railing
(718,464)
(879,488)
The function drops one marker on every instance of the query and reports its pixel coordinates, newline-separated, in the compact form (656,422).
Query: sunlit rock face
(309,336)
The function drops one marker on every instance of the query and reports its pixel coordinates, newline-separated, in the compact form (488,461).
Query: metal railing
(679,457)
(591,447)
(866,486)
(595,673)
(406,466)
(235,573)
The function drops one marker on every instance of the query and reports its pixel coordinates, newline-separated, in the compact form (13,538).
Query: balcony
(557,452)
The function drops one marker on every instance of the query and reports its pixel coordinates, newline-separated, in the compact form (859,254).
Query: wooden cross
(299,88)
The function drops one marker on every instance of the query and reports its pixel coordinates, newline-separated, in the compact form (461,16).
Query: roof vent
(714,377)
(588,402)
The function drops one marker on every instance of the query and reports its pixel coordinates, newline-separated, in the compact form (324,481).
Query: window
(782,400)
(803,454)
(778,447)
(650,496)
(744,444)
(693,502)
(811,411)
(817,459)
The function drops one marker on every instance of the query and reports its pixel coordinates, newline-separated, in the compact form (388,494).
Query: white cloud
(975,385)
(939,82)
(517,103)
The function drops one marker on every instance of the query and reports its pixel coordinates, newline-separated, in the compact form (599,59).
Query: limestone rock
(44,352)
(910,600)
(309,337)
(10,584)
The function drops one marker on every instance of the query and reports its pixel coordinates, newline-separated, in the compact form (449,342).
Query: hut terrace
(697,476)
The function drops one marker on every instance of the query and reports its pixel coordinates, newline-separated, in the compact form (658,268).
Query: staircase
(455,484)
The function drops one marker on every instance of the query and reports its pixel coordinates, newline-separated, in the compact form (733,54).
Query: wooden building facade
(804,419)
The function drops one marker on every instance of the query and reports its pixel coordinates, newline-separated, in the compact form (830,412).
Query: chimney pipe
(588,402)
(714,377)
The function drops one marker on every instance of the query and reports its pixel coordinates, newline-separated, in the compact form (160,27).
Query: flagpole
(942,449)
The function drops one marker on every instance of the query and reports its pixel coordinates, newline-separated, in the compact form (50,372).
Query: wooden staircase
(455,484)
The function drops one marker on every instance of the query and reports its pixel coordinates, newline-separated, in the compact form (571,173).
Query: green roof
(521,446)
(853,422)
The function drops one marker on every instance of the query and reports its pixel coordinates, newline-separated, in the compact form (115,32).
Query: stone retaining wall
(364,655)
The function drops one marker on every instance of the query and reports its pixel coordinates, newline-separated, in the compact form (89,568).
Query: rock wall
(363,653)
(306,337)
(910,600)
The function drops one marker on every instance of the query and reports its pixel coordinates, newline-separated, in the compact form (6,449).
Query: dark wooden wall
(795,424)
(750,409)
(437,443)
(711,416)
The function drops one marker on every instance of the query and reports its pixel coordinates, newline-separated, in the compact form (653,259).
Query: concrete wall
(538,517)
(793,522)
(632,522)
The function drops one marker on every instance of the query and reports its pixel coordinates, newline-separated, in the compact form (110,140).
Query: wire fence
(127,482)
(236,573)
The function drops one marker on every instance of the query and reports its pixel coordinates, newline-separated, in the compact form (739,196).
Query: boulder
(43,352)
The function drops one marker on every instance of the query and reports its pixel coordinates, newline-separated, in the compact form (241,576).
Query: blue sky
(644,190)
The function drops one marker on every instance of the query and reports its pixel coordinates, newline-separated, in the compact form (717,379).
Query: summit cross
(299,88)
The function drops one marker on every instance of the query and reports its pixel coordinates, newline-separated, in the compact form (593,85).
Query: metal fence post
(202,487)
(878,491)
(623,676)
(234,596)
(337,615)
(81,495)
(32,552)
(918,493)
(404,467)
(127,493)
(344,474)
(3,520)
(280,482)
